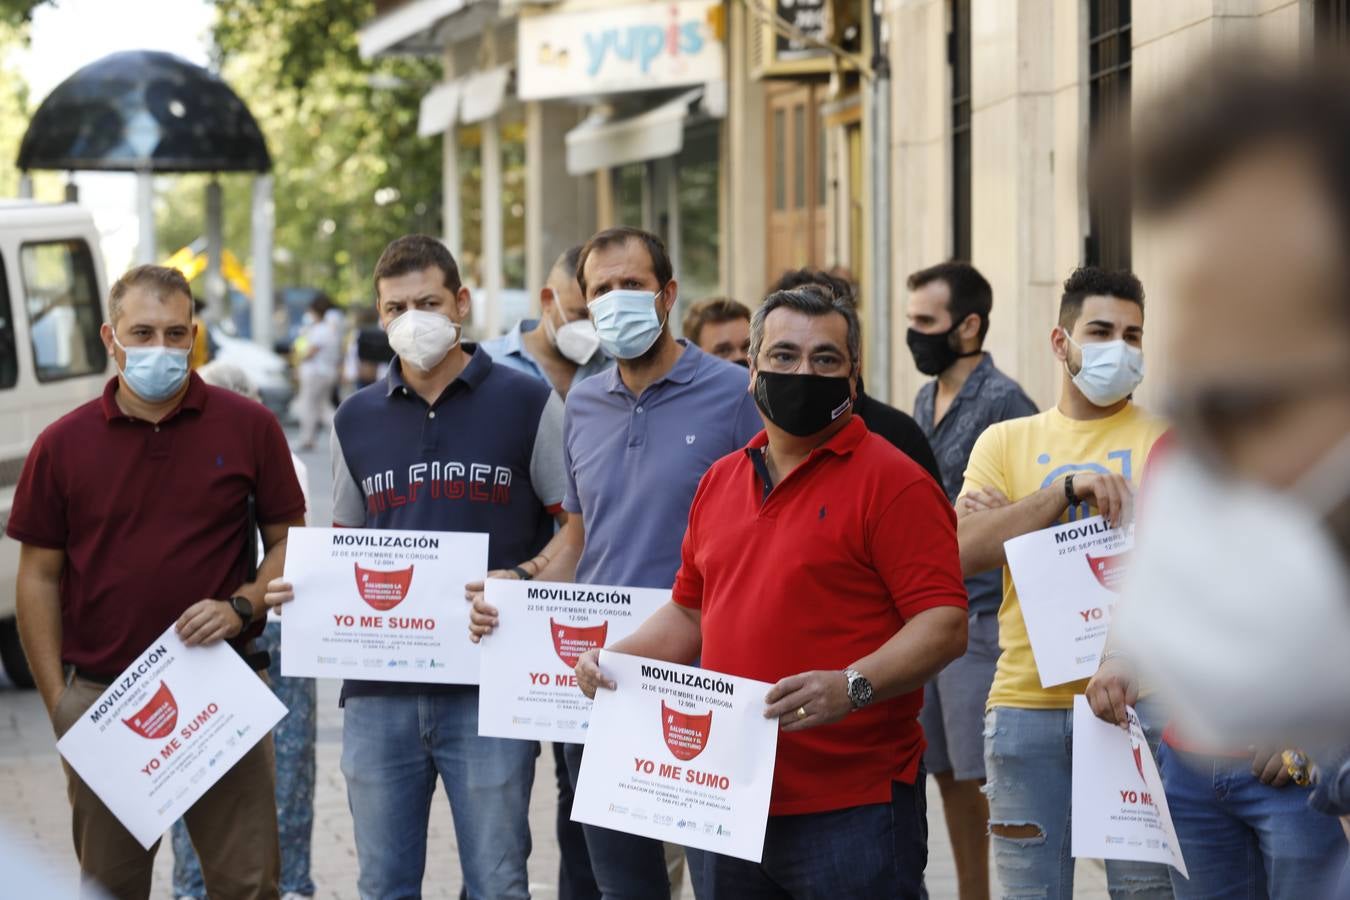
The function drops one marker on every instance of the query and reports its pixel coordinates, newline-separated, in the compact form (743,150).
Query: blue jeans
(1243,839)
(629,867)
(393,749)
(294,741)
(860,853)
(1028,755)
(576,881)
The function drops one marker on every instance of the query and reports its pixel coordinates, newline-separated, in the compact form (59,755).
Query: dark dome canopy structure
(144,111)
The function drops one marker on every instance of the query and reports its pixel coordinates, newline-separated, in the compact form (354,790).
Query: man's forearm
(563,552)
(673,633)
(916,653)
(272,565)
(39,613)
(982,534)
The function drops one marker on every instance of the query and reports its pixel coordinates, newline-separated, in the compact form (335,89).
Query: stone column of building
(559,208)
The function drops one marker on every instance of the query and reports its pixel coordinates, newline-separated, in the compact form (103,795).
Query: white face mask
(577,341)
(1110,371)
(1238,604)
(421,338)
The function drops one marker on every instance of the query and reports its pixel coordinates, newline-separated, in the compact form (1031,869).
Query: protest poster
(1119,807)
(679,754)
(167,729)
(1067,579)
(527,688)
(381,605)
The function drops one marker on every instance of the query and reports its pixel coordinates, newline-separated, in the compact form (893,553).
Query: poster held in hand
(381,605)
(1068,578)
(679,754)
(528,688)
(167,729)
(1119,808)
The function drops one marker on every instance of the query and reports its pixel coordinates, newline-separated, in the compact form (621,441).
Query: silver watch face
(859,690)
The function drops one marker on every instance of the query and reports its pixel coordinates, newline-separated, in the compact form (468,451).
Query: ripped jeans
(1028,755)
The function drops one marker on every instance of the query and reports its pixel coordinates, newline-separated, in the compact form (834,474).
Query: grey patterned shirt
(988,396)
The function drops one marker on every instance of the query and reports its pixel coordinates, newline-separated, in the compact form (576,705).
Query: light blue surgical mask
(626,322)
(1110,371)
(154,373)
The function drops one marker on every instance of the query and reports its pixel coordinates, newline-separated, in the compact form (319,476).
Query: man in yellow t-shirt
(1080,458)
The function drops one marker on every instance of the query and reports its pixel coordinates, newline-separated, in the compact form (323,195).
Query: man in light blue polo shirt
(637,441)
(559,348)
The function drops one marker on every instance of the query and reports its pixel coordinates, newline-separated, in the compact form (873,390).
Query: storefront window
(470,158)
(696,172)
(628,187)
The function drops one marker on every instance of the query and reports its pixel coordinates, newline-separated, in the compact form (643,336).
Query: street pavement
(35,817)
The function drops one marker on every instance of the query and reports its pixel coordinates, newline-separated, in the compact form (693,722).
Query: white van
(52,290)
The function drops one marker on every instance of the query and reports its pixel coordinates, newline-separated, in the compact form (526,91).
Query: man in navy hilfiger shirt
(450,442)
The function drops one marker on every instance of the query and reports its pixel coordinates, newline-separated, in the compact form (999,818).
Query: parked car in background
(269,371)
(52,290)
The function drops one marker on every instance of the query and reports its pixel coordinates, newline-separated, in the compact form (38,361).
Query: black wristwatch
(1069,492)
(243,609)
(859,689)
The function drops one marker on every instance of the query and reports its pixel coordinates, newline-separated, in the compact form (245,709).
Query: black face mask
(801,405)
(933,353)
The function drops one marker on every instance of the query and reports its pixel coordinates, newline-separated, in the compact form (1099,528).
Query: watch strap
(1069,493)
(521,573)
(243,609)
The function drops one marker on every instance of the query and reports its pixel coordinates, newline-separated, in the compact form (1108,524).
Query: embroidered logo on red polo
(686,734)
(1110,571)
(570,642)
(383,590)
(158,717)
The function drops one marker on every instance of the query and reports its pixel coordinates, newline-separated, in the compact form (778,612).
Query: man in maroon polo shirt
(819,546)
(132,513)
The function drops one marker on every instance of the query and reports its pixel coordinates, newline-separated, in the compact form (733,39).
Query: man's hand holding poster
(167,729)
(679,754)
(1119,808)
(381,605)
(528,689)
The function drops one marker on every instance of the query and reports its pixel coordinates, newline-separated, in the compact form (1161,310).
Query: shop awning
(440,108)
(602,143)
(482,94)
(409,28)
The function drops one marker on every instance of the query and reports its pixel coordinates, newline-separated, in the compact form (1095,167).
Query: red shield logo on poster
(569,642)
(158,717)
(686,734)
(1110,571)
(383,590)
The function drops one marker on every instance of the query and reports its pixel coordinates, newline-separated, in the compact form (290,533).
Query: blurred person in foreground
(293,736)
(1239,602)
(898,428)
(720,326)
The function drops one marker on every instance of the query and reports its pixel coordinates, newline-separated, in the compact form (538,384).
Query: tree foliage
(350,171)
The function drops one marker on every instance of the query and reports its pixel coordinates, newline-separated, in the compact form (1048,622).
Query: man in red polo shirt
(819,546)
(132,511)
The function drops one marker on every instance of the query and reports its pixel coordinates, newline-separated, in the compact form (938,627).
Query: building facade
(747,134)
